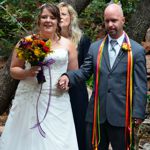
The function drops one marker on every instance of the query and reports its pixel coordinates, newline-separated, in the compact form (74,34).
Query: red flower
(46,49)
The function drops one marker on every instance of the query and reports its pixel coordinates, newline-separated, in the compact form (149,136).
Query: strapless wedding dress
(22,131)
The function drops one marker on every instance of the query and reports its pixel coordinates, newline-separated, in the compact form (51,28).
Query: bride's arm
(17,70)
(72,65)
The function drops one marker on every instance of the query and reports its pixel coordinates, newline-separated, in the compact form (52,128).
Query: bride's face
(47,22)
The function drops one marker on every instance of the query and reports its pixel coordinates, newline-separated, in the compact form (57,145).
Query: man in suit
(120,84)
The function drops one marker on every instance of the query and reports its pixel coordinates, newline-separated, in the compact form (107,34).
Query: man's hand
(63,83)
(137,121)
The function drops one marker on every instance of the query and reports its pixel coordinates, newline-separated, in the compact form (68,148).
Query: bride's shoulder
(66,42)
(63,39)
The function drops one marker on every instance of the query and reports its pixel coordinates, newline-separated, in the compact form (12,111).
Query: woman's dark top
(79,96)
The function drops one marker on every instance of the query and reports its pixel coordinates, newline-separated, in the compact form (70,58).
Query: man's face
(114,22)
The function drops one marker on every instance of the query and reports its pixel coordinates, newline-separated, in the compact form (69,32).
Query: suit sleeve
(140,85)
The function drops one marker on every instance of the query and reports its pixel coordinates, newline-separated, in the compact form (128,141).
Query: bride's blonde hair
(75,32)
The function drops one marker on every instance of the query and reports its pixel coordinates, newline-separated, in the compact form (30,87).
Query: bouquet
(34,50)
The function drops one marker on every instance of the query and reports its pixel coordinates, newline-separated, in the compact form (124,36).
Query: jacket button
(109,90)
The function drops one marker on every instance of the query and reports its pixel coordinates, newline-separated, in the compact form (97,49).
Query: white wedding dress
(58,124)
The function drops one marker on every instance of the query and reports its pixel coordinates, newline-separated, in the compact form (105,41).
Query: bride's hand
(33,71)
(63,83)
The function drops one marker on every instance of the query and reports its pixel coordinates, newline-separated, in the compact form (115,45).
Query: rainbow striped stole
(129,88)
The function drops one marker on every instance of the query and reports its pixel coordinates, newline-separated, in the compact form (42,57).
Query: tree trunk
(8,87)
(140,21)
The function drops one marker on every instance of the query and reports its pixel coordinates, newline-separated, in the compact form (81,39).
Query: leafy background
(18,19)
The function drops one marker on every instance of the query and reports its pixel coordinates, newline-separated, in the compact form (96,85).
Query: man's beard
(112,33)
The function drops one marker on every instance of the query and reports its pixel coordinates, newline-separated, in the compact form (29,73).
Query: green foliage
(92,16)
(5,46)
(90,82)
(17,20)
(148,98)
(129,7)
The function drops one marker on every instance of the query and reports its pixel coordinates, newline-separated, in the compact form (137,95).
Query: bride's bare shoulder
(65,41)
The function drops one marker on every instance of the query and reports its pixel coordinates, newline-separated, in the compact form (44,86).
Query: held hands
(137,121)
(63,83)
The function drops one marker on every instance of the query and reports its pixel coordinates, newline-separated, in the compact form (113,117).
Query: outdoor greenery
(18,19)
(148,98)
(92,16)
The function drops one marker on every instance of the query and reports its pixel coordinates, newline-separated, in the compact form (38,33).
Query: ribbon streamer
(38,124)
(129,98)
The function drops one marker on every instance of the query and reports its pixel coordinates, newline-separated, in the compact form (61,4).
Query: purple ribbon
(38,124)
(40,76)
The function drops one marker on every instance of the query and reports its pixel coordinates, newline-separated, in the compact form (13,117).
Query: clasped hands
(63,83)
(137,121)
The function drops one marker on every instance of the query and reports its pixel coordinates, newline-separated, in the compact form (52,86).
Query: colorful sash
(126,46)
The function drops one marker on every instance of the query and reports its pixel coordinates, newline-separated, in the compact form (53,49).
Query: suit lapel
(106,55)
(119,57)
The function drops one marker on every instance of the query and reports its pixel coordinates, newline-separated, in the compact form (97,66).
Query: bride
(41,116)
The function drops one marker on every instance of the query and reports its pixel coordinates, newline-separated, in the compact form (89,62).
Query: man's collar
(119,40)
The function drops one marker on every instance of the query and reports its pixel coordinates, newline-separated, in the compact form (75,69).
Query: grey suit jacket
(112,87)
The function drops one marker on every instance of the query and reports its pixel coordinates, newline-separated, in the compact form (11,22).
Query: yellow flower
(125,47)
(20,55)
(28,39)
(37,52)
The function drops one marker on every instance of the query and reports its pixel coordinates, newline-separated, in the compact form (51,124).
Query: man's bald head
(114,7)
(114,20)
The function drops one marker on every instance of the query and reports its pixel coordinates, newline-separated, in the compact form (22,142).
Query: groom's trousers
(109,134)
